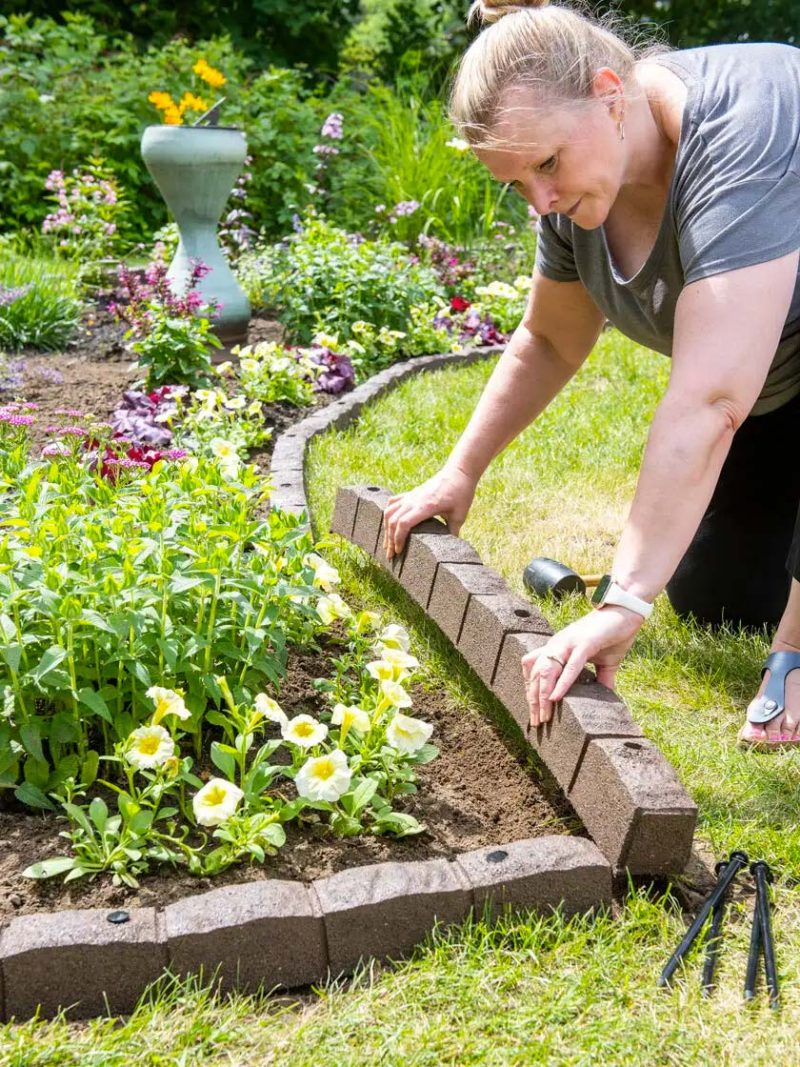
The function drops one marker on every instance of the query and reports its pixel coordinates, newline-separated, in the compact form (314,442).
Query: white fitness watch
(608,592)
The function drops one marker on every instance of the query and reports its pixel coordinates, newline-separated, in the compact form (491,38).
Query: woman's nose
(542,196)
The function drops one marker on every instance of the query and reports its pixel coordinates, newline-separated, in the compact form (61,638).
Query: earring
(621,129)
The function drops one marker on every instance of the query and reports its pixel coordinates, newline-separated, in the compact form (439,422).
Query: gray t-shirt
(734,201)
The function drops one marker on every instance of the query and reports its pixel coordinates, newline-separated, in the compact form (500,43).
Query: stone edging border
(275,933)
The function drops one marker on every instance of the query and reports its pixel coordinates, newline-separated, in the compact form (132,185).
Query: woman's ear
(608,89)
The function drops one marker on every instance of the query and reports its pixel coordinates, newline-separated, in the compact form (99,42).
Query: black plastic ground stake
(736,861)
(753,955)
(713,940)
(763,876)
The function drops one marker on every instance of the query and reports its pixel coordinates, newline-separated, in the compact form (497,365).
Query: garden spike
(713,940)
(736,861)
(763,876)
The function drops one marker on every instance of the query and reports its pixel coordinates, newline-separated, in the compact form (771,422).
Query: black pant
(735,569)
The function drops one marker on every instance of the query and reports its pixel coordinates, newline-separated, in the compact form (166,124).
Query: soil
(477,793)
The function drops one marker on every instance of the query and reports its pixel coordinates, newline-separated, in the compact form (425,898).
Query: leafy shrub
(325,278)
(39,302)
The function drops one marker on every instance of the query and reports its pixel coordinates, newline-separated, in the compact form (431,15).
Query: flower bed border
(276,933)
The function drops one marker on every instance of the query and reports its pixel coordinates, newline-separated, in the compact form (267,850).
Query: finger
(549,674)
(607,675)
(532,693)
(573,668)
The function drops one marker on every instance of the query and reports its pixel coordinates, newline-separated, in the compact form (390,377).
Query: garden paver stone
(267,931)
(541,873)
(384,910)
(631,802)
(80,961)
(453,586)
(487,621)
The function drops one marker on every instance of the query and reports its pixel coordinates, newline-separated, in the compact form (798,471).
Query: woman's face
(570,160)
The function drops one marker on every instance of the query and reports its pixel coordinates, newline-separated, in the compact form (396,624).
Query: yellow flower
(172,116)
(304,731)
(350,718)
(395,695)
(209,75)
(190,102)
(216,802)
(324,778)
(161,100)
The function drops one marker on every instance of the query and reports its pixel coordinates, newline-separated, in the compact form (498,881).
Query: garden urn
(195,169)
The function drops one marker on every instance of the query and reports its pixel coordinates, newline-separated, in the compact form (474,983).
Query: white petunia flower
(227,455)
(408,734)
(249,366)
(167,702)
(216,802)
(235,403)
(332,607)
(270,709)
(399,659)
(395,694)
(394,636)
(351,718)
(381,670)
(304,731)
(149,746)
(325,575)
(324,778)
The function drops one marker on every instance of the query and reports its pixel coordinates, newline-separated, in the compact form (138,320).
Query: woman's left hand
(601,637)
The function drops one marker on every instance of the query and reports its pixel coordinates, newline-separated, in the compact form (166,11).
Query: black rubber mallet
(548,577)
(736,861)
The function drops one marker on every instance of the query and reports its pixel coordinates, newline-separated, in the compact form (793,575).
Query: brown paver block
(509,682)
(289,500)
(453,585)
(423,554)
(344,512)
(80,961)
(371,502)
(632,803)
(267,932)
(395,565)
(589,711)
(486,623)
(385,909)
(541,873)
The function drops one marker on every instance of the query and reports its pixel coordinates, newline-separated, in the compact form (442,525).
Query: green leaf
(36,772)
(91,765)
(49,868)
(92,699)
(426,754)
(360,796)
(49,661)
(398,823)
(31,737)
(29,794)
(98,813)
(221,757)
(12,654)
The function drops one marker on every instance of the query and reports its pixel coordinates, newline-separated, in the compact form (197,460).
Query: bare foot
(785,727)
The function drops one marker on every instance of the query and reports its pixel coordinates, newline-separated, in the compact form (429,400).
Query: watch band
(609,592)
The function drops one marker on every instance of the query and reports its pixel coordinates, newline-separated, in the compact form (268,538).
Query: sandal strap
(772,701)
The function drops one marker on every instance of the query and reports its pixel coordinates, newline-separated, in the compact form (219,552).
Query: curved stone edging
(276,933)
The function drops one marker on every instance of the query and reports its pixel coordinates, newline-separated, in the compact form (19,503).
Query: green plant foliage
(69,95)
(689,25)
(323,276)
(40,302)
(272,31)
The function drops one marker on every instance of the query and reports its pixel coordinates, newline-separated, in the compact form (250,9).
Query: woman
(669,193)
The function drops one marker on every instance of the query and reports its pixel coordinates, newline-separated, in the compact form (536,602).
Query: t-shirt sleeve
(738,200)
(555,258)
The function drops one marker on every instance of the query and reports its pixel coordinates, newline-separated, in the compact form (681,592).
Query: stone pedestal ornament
(195,168)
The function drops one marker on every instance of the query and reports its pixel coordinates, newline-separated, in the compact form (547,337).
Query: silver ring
(555,659)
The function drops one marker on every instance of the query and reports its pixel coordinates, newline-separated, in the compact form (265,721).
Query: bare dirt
(475,794)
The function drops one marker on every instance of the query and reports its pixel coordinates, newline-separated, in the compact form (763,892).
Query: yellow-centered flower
(408,734)
(216,802)
(304,731)
(324,778)
(148,747)
(167,702)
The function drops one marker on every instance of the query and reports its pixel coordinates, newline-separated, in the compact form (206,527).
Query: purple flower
(55,449)
(17,420)
(332,127)
(405,207)
(326,150)
(338,375)
(10,296)
(54,180)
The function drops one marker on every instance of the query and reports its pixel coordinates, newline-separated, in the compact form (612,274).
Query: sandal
(772,701)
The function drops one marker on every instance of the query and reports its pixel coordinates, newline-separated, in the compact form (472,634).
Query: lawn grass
(541,991)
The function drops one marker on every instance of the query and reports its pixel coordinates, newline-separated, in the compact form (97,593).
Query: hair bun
(487,11)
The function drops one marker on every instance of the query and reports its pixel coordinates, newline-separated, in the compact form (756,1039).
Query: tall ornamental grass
(39,302)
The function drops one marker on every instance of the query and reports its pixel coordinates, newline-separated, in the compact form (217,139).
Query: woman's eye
(548,165)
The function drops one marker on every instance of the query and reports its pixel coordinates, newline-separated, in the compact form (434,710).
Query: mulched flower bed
(475,794)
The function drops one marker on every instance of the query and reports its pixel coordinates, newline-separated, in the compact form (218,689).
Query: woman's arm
(559,329)
(727,329)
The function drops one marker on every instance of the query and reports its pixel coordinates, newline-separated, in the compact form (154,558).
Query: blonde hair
(553,51)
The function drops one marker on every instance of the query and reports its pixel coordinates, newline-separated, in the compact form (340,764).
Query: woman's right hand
(448,493)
